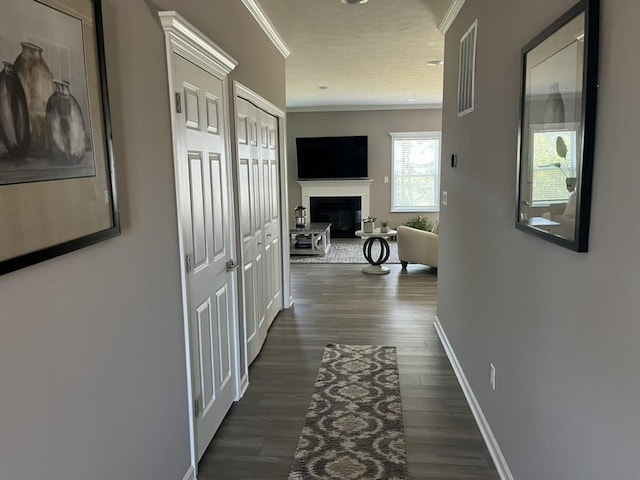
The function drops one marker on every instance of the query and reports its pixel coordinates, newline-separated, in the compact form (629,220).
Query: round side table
(376,266)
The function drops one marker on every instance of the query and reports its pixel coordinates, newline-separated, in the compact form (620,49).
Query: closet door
(250,224)
(258,166)
(205,207)
(271,212)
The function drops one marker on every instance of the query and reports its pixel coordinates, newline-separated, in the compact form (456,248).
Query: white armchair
(417,246)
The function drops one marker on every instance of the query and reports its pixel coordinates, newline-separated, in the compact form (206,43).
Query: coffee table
(376,267)
(312,239)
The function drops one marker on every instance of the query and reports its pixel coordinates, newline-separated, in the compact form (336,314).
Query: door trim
(187,41)
(245,93)
(182,38)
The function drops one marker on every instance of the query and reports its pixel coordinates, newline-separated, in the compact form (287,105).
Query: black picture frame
(557,128)
(57,174)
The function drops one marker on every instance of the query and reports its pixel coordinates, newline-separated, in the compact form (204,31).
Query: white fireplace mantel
(337,188)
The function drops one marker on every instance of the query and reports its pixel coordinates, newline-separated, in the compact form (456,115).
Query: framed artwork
(557,128)
(57,179)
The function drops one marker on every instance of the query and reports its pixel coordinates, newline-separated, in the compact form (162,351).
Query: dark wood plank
(340,304)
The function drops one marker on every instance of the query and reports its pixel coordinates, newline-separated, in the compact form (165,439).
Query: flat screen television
(332,157)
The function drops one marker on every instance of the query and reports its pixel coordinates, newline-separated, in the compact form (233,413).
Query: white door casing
(198,99)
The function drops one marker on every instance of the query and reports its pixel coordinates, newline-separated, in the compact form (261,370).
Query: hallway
(339,304)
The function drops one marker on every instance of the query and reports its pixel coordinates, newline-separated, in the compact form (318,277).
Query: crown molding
(450,16)
(256,10)
(358,108)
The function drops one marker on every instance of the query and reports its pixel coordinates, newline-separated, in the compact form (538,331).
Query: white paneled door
(259,196)
(207,238)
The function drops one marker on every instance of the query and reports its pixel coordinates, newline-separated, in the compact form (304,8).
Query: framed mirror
(557,128)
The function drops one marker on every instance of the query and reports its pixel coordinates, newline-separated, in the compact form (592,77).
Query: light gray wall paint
(92,368)
(376,125)
(561,327)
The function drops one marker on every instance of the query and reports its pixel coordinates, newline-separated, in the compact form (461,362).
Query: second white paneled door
(259,209)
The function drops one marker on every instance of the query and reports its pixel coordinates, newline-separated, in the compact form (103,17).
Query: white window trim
(415,136)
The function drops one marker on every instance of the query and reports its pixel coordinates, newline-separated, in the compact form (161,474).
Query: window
(416,172)
(554,162)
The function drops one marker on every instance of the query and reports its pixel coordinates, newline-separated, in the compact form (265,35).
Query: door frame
(185,40)
(245,93)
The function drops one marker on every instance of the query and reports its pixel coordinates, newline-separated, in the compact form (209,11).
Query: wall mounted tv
(332,157)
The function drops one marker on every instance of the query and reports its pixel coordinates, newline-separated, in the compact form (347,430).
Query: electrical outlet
(492,376)
(444,197)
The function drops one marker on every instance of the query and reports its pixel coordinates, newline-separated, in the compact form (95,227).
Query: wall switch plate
(386,179)
(492,376)
(444,197)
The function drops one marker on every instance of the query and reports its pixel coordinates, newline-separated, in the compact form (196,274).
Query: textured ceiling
(374,54)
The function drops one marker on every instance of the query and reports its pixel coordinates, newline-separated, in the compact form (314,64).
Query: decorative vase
(65,126)
(37,82)
(384,229)
(14,116)
(367,227)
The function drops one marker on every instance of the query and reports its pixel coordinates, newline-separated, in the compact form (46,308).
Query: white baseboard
(191,474)
(485,429)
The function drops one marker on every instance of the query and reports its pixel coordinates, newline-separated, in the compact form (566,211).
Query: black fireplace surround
(344,213)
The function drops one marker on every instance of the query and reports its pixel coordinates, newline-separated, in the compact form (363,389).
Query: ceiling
(370,55)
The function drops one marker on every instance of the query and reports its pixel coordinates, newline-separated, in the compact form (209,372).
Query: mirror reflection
(551,132)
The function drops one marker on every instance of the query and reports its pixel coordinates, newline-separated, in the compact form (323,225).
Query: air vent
(467,72)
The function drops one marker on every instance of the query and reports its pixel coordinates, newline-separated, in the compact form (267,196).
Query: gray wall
(377,125)
(561,328)
(92,370)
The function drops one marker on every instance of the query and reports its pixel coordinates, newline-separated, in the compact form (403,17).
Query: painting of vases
(57,189)
(45,132)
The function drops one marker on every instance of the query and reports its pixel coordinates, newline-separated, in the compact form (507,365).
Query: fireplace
(331,189)
(344,213)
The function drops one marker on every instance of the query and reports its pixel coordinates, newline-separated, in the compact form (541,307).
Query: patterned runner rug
(353,428)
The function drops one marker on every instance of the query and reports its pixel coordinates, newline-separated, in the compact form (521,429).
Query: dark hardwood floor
(340,304)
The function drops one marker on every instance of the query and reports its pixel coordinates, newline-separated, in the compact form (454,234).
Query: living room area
(388,155)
